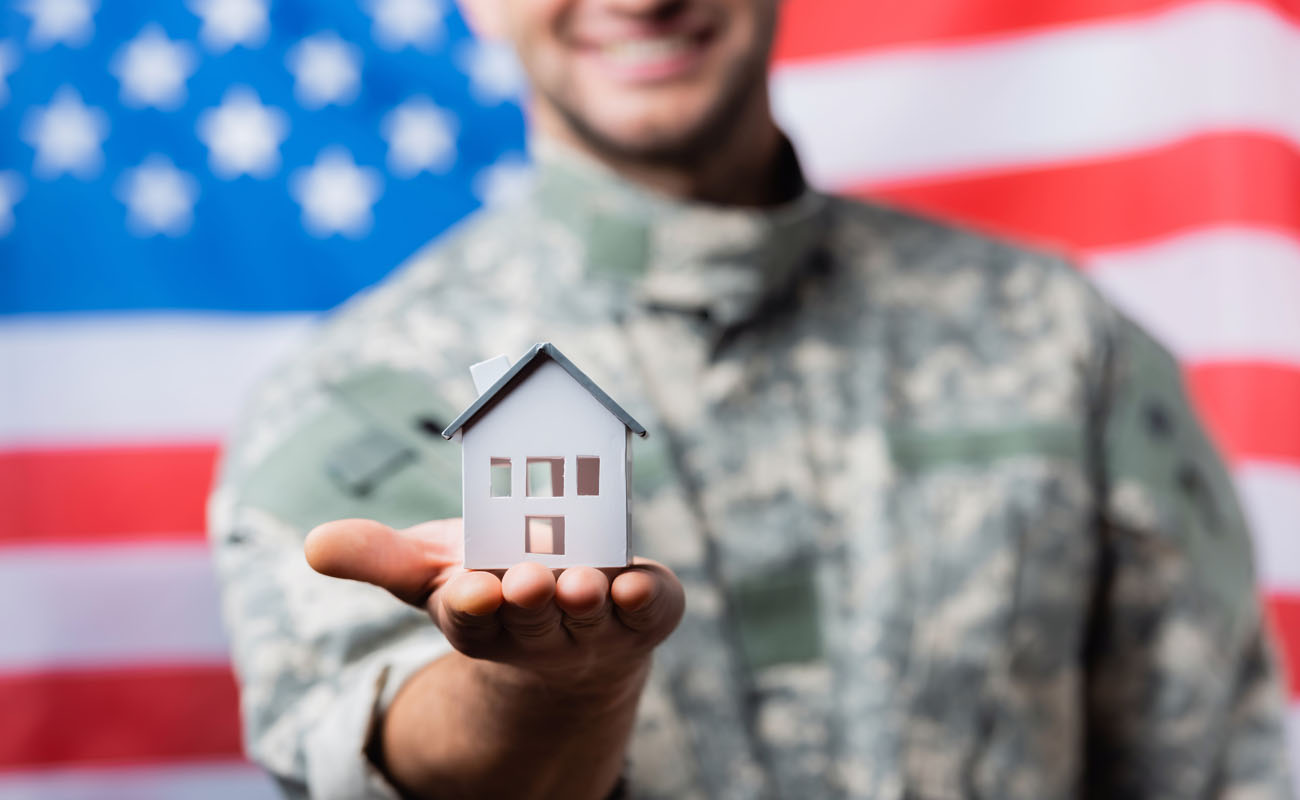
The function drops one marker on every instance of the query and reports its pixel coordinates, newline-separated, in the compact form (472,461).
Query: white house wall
(548,415)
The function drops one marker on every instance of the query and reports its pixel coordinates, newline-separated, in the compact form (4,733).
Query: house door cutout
(544,535)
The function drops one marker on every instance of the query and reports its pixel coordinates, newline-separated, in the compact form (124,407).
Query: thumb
(410,563)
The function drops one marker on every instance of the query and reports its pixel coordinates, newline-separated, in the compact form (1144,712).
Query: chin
(652,142)
(668,134)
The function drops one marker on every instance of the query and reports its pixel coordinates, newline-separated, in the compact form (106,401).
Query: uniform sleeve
(319,659)
(1183,693)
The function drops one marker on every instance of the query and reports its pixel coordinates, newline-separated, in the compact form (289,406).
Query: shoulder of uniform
(459,259)
(404,342)
(926,243)
(384,372)
(367,442)
(911,259)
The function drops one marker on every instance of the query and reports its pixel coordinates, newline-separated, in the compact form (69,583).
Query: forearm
(469,728)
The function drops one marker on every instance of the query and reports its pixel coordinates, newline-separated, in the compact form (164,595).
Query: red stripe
(1284,613)
(123,716)
(188,713)
(1251,409)
(137,492)
(1237,178)
(813,29)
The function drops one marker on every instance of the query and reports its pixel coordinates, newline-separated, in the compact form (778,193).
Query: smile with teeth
(638,52)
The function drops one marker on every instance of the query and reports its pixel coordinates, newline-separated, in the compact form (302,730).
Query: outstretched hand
(584,623)
(543,686)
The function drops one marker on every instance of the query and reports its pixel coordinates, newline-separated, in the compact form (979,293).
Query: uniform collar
(722,261)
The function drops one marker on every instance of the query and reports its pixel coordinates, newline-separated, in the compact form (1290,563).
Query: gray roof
(522,369)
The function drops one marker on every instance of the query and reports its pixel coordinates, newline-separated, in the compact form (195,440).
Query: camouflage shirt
(947,525)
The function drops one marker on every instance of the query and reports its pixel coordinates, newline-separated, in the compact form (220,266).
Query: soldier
(943,521)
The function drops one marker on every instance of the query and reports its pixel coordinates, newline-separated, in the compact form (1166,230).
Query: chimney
(486,373)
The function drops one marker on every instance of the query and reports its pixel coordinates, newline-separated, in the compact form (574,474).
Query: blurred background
(186,187)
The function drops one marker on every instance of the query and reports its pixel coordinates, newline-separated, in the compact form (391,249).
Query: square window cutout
(544,535)
(546,477)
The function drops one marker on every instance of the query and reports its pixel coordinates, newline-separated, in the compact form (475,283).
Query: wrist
(454,725)
(567,691)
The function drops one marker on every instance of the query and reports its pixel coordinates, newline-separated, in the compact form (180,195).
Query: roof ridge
(518,371)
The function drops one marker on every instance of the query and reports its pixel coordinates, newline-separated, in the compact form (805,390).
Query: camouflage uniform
(947,525)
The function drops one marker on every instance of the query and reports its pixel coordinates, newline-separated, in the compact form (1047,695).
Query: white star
(67,21)
(399,23)
(325,70)
(504,183)
(420,136)
(227,23)
(159,197)
(11,189)
(336,194)
(242,135)
(153,69)
(8,61)
(494,71)
(66,135)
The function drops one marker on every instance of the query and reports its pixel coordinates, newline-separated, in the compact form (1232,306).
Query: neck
(753,166)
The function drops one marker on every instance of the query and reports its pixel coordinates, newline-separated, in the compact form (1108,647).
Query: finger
(529,612)
(406,564)
(464,610)
(582,593)
(447,536)
(648,598)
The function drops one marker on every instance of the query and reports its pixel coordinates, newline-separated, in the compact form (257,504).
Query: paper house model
(546,465)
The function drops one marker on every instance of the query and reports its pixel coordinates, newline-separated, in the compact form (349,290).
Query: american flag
(184,187)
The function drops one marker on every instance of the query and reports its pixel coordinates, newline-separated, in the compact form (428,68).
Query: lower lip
(660,69)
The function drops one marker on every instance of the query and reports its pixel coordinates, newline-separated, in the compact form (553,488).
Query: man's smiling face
(650,80)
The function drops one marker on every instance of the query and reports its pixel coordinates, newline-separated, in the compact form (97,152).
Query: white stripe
(87,379)
(1082,91)
(104,605)
(1270,495)
(1293,736)
(1216,294)
(166,593)
(191,782)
